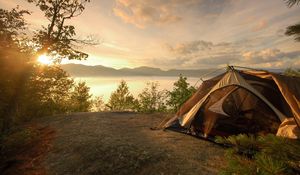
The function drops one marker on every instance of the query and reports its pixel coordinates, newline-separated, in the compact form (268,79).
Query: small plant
(238,165)
(264,155)
(266,164)
(242,143)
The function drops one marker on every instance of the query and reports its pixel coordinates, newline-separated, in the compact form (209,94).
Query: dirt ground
(123,143)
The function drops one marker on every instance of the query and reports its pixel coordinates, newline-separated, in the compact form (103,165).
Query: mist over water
(104,86)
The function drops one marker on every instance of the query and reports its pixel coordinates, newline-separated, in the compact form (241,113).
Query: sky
(183,34)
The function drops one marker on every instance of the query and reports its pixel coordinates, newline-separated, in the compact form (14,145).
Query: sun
(44,59)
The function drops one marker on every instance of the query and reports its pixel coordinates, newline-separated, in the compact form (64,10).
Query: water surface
(104,86)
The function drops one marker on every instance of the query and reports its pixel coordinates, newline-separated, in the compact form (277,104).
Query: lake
(104,86)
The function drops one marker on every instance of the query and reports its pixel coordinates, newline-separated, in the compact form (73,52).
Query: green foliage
(151,99)
(293,30)
(98,104)
(242,143)
(280,147)
(291,3)
(180,93)
(268,155)
(50,90)
(11,24)
(30,90)
(57,38)
(238,165)
(292,72)
(80,98)
(47,92)
(122,99)
(268,165)
(13,63)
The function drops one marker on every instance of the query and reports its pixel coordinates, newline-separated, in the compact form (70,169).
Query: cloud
(218,60)
(157,12)
(268,55)
(203,54)
(189,47)
(141,13)
(260,26)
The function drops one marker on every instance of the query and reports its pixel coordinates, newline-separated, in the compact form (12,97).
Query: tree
(293,30)
(80,98)
(122,99)
(57,39)
(151,99)
(47,92)
(291,3)
(98,104)
(292,72)
(29,89)
(180,93)
(12,24)
(13,63)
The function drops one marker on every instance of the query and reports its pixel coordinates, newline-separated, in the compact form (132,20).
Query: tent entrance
(240,112)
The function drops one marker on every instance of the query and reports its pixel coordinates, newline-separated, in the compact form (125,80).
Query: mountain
(79,70)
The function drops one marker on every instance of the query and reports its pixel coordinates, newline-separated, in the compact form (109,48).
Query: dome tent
(242,101)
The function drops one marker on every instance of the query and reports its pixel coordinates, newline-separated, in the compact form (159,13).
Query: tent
(242,101)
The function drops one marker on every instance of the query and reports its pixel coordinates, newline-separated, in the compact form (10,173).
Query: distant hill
(79,70)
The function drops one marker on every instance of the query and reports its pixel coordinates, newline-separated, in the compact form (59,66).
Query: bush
(122,99)
(292,72)
(80,98)
(261,155)
(151,99)
(180,93)
(98,104)
(241,144)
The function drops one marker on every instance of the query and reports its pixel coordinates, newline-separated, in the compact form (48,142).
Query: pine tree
(121,99)
(180,93)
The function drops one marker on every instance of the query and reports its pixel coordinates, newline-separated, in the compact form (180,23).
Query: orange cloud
(142,13)
(260,25)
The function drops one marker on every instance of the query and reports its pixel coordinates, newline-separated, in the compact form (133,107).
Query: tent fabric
(231,78)
(289,128)
(289,88)
(260,95)
(200,93)
(218,106)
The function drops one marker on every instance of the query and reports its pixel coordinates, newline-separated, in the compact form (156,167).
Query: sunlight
(44,59)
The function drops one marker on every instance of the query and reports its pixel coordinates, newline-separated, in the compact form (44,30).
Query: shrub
(98,104)
(292,72)
(151,99)
(121,99)
(261,155)
(80,98)
(180,93)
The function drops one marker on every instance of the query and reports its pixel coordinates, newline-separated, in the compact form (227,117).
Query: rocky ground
(123,143)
